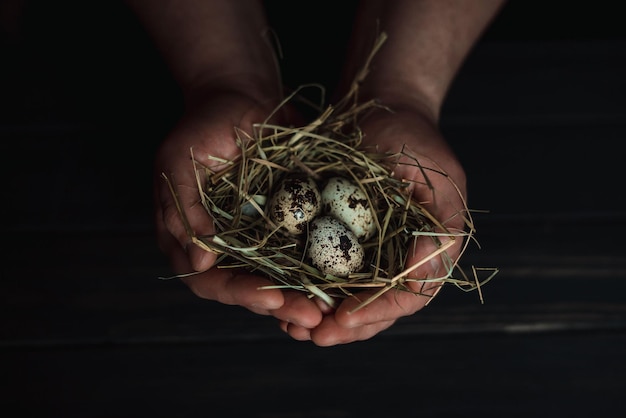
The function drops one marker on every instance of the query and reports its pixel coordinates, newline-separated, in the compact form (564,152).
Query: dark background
(537,115)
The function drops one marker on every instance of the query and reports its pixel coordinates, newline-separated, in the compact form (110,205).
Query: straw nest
(236,195)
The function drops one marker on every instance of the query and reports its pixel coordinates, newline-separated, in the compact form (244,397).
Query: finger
(324,307)
(421,284)
(299,310)
(233,287)
(174,210)
(435,262)
(330,332)
(225,285)
(389,306)
(295,331)
(176,254)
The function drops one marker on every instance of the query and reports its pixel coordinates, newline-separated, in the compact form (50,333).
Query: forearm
(427,43)
(212,44)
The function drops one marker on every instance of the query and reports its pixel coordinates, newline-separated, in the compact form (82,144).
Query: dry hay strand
(236,192)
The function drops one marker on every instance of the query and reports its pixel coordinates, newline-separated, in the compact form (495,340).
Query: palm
(209,134)
(443,196)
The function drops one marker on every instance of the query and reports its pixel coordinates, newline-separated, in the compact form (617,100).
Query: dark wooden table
(87,329)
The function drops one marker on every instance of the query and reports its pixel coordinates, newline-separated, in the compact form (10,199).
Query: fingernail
(266,305)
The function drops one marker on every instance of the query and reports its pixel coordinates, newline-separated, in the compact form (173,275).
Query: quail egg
(295,203)
(333,248)
(346,201)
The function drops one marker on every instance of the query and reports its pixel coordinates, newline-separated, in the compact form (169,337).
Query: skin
(229,79)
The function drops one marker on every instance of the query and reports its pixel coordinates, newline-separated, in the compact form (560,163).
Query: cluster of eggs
(337,217)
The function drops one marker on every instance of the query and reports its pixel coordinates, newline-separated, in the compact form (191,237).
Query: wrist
(401,97)
(261,90)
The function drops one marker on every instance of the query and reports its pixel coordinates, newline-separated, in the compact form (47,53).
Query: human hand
(412,129)
(208,128)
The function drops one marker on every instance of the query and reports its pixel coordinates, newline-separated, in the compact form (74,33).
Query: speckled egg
(333,248)
(346,201)
(295,203)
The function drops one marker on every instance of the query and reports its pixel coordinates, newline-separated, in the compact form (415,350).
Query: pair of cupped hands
(208,128)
